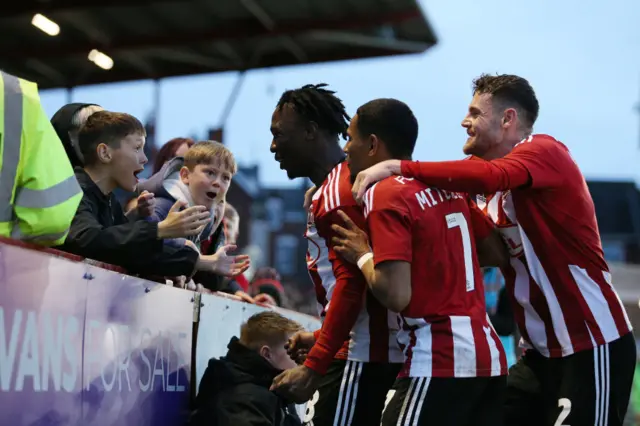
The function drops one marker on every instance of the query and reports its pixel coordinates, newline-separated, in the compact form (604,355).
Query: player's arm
(346,300)
(536,163)
(388,270)
(490,247)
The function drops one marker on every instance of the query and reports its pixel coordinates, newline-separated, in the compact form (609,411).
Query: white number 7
(458,220)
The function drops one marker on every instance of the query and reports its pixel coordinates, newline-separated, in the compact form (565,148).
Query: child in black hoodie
(234,390)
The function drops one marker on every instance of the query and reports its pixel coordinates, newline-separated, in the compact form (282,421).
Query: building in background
(618,212)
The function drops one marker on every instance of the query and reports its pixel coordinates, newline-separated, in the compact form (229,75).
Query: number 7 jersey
(445,328)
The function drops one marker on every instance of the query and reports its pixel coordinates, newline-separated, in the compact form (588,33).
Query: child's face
(208,183)
(128,161)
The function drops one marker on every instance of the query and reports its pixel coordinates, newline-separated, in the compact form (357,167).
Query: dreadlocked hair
(315,103)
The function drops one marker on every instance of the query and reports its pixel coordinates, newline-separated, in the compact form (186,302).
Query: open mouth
(211,195)
(136,173)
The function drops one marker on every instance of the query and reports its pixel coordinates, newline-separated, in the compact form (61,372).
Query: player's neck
(325,161)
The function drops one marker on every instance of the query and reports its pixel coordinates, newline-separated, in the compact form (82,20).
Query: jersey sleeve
(346,300)
(389,223)
(481,225)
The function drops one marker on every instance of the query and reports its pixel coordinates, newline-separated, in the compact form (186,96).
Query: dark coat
(234,391)
(101,231)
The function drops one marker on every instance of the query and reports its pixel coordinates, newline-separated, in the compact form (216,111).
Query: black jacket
(101,231)
(234,391)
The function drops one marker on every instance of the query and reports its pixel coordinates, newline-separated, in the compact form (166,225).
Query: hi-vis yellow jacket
(39,193)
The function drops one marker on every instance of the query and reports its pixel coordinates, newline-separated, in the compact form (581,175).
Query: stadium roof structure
(153,39)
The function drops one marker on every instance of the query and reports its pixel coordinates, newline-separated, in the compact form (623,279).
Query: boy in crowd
(112,147)
(201,178)
(234,390)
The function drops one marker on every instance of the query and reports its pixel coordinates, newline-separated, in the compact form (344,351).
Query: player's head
(304,122)
(502,112)
(113,142)
(267,333)
(382,129)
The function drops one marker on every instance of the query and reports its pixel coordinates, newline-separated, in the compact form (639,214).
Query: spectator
(38,192)
(201,178)
(266,281)
(67,122)
(112,147)
(176,147)
(234,390)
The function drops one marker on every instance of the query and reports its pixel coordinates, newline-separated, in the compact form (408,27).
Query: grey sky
(582,57)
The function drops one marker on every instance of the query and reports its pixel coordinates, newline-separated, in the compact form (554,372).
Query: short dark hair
(510,90)
(106,127)
(315,103)
(393,122)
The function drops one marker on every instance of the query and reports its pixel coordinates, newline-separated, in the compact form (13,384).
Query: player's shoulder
(390,192)
(335,191)
(541,143)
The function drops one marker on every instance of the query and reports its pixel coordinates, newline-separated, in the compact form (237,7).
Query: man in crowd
(580,352)
(423,265)
(354,357)
(234,390)
(112,147)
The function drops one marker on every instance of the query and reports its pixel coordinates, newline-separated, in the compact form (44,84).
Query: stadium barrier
(84,344)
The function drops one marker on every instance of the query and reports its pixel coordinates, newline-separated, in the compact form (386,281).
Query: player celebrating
(580,358)
(351,390)
(424,266)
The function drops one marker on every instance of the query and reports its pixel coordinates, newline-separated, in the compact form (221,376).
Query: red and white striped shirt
(558,280)
(353,320)
(445,328)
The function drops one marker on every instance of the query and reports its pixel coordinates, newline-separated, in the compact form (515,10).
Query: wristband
(364,259)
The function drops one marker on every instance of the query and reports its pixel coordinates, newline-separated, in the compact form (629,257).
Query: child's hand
(185,223)
(146,204)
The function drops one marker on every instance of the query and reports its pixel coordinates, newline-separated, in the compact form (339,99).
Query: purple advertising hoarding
(80,345)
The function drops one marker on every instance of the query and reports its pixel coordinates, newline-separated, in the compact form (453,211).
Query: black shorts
(351,393)
(446,401)
(591,387)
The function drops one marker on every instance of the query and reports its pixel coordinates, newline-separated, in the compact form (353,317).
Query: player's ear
(509,117)
(374,144)
(311,130)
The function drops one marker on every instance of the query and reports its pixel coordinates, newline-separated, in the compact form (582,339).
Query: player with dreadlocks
(354,358)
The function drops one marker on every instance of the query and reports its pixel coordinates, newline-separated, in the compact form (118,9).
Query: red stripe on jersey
(442,348)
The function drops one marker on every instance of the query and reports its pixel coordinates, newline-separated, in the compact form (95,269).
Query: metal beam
(30,7)
(238,30)
(360,40)
(119,74)
(269,24)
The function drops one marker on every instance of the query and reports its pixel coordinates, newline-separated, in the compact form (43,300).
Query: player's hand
(178,224)
(265,299)
(308,196)
(350,241)
(297,384)
(301,340)
(223,264)
(244,296)
(373,174)
(146,204)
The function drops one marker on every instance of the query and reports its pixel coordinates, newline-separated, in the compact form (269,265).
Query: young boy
(235,389)
(112,146)
(201,178)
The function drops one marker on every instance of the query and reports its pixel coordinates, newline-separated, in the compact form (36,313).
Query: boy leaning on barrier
(234,390)
(201,178)
(112,146)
